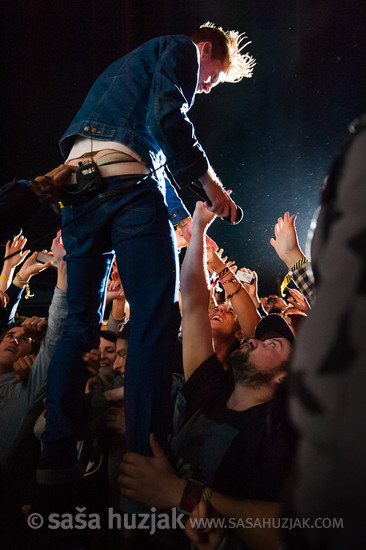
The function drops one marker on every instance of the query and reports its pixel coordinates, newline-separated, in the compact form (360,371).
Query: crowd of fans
(222,317)
(231,445)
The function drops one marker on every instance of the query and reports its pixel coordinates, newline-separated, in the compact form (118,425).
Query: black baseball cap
(272,326)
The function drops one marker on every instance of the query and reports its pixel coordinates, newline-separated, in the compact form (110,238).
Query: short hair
(36,344)
(227,47)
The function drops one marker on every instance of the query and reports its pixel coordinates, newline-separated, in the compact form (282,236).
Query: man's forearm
(194,282)
(261,537)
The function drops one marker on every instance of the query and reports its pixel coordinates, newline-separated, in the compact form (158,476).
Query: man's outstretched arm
(197,337)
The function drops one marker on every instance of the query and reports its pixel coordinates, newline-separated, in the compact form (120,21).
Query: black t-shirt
(241,454)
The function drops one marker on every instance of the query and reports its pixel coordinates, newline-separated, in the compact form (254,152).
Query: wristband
(191,496)
(288,277)
(224,272)
(26,285)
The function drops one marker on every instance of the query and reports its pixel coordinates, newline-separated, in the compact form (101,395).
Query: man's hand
(55,179)
(22,367)
(57,249)
(208,538)
(114,291)
(36,325)
(92,360)
(202,215)
(150,480)
(285,242)
(221,204)
(187,231)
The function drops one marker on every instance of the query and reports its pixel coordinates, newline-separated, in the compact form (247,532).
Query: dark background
(270,138)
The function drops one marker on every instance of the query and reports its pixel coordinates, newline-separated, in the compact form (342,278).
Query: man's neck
(222,347)
(243,398)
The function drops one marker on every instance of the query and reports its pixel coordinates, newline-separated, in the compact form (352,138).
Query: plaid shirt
(303,277)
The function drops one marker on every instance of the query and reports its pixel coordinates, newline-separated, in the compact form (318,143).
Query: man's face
(121,355)
(210,69)
(15,344)
(258,363)
(107,353)
(223,320)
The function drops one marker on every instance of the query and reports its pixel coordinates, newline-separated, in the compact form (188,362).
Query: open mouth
(217,318)
(11,348)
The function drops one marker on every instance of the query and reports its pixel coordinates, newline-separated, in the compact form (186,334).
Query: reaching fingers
(35,324)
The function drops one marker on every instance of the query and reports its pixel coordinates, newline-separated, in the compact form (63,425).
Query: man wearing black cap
(229,437)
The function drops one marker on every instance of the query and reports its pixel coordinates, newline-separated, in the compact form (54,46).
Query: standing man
(133,120)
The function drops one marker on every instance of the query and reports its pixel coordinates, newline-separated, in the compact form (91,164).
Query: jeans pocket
(134,219)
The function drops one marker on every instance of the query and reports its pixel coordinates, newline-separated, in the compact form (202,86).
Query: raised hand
(202,215)
(57,248)
(32,267)
(298,300)
(15,249)
(114,290)
(216,262)
(286,242)
(252,288)
(35,324)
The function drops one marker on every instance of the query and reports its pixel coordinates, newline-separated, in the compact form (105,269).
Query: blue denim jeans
(134,226)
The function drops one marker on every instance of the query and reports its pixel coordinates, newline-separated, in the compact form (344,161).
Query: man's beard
(246,373)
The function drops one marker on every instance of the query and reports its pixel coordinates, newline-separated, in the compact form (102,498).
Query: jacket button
(86,128)
(94,130)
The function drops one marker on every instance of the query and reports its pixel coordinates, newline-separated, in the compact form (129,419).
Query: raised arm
(288,250)
(14,255)
(197,337)
(248,317)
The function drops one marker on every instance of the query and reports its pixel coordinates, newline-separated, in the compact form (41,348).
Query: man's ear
(239,335)
(206,50)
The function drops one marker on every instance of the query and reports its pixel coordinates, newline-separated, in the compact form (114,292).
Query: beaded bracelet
(229,296)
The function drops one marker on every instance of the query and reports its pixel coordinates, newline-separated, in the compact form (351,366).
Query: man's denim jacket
(142,100)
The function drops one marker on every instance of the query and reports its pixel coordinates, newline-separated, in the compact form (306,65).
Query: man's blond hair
(227,46)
